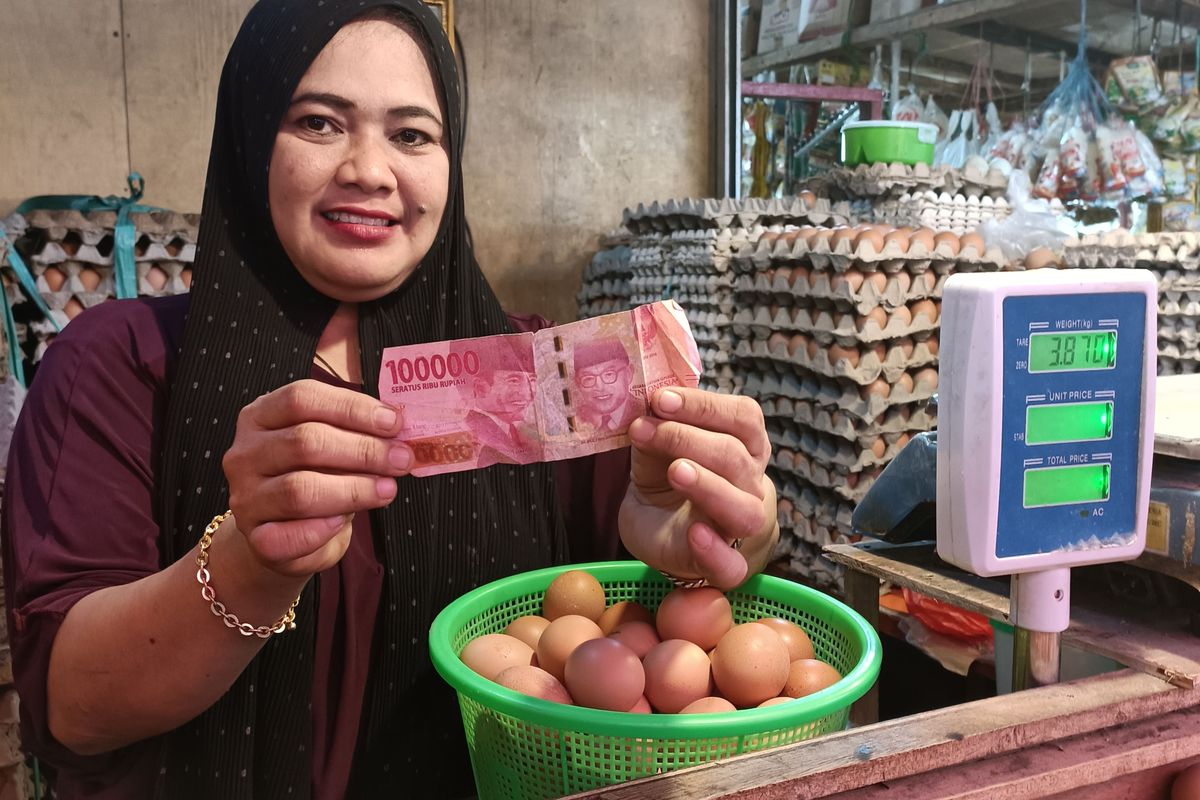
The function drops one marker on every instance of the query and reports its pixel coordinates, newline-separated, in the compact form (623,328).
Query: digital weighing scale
(1044,443)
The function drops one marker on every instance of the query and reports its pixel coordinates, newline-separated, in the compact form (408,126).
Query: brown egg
(560,639)
(906,345)
(603,673)
(813,348)
(774,701)
(929,279)
(701,616)
(878,448)
(927,377)
(527,629)
(808,198)
(640,637)
(933,345)
(923,239)
(90,279)
(573,592)
(157,278)
(798,278)
(535,682)
(947,242)
(869,243)
(904,384)
(877,388)
(708,705)
(904,281)
(822,235)
(776,341)
(54,278)
(925,308)
(73,308)
(972,244)
(838,353)
(621,612)
(847,235)
(186,277)
(901,317)
(642,706)
(902,440)
(876,317)
(1040,258)
(678,672)
(879,350)
(878,281)
(797,641)
(798,343)
(808,233)
(750,664)
(851,278)
(492,653)
(899,238)
(808,675)
(1186,785)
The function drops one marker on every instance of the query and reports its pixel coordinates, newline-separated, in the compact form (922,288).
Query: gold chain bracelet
(286,623)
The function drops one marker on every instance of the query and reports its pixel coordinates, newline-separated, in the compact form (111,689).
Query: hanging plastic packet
(909,108)
(934,115)
(1114,179)
(1049,176)
(1073,147)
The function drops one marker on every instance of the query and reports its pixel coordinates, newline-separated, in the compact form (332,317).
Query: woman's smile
(360,226)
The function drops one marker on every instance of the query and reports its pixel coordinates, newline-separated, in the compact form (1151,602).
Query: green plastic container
(524,748)
(888,143)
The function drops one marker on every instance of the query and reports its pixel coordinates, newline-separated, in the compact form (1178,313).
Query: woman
(332,227)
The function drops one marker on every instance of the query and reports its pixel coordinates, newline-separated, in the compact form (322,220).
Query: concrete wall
(577,109)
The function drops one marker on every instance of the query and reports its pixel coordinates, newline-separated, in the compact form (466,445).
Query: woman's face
(360,171)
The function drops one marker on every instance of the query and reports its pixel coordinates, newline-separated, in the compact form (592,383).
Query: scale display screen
(1058,486)
(1059,352)
(1071,422)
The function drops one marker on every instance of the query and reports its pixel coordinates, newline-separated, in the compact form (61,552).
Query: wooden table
(1123,735)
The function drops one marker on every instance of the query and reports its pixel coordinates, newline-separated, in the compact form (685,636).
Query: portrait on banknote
(603,387)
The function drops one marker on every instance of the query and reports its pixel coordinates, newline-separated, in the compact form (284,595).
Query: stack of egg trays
(1175,260)
(70,254)
(683,249)
(605,288)
(893,180)
(839,345)
(956,213)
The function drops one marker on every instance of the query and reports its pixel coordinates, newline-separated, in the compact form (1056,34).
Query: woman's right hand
(306,458)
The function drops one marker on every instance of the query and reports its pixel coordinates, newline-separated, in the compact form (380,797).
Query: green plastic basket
(524,748)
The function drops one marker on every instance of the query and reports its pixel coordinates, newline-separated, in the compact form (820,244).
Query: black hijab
(252,327)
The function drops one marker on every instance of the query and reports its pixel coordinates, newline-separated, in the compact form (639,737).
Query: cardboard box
(749,18)
(788,22)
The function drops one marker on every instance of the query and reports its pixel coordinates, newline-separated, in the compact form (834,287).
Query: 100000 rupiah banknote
(558,393)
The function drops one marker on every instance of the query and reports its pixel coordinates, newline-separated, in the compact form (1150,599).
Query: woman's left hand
(698,485)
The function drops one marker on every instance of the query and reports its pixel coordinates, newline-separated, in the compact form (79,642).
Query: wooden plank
(862,594)
(1092,761)
(174,53)
(1133,639)
(944,15)
(62,119)
(1176,424)
(889,751)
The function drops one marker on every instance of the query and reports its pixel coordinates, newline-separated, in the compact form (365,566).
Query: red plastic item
(946,619)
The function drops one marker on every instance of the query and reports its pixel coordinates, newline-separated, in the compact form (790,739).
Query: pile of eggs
(688,658)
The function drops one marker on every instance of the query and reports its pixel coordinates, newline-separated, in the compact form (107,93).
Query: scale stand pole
(1040,610)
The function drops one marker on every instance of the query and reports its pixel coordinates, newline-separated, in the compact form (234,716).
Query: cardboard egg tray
(786,285)
(58,236)
(1175,259)
(941,212)
(843,482)
(835,451)
(820,254)
(709,213)
(843,395)
(876,180)
(905,418)
(828,325)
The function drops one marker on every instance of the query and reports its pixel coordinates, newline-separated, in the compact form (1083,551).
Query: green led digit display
(1072,422)
(1059,486)
(1058,352)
